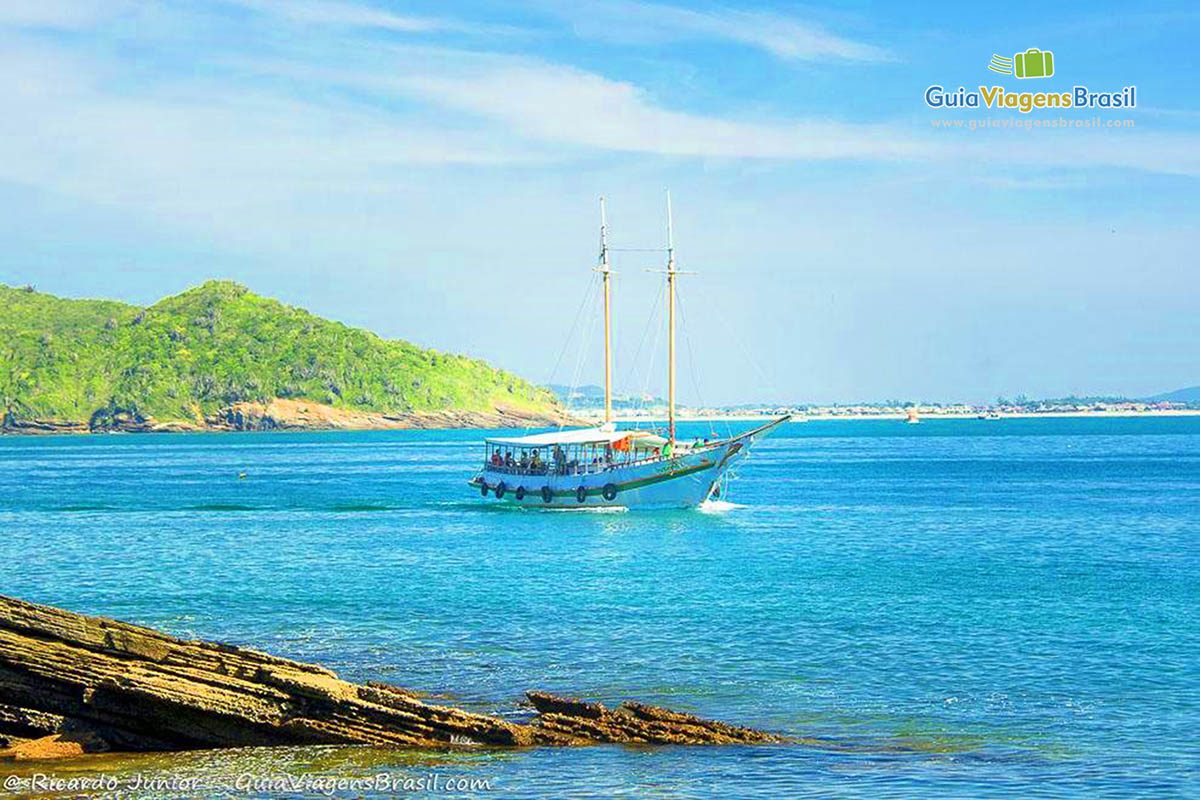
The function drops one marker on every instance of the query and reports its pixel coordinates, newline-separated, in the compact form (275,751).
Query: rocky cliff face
(281,414)
(291,415)
(71,684)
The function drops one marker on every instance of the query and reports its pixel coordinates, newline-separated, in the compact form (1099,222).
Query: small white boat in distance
(606,467)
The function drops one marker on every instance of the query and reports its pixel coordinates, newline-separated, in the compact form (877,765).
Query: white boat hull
(682,481)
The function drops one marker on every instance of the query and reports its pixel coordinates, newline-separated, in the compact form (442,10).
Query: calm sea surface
(969,608)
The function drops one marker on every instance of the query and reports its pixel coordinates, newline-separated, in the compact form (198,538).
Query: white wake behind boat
(606,467)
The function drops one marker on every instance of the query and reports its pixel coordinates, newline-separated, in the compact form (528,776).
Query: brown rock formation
(636,722)
(283,414)
(291,415)
(71,684)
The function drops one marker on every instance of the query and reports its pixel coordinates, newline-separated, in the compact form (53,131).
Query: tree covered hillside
(193,354)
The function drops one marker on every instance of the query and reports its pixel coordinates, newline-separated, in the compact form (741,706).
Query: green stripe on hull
(679,473)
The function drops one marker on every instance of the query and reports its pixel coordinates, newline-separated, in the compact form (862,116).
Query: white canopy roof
(578,436)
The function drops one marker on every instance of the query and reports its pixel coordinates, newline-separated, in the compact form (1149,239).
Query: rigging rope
(631,370)
(587,341)
(567,342)
(747,356)
(653,351)
(687,340)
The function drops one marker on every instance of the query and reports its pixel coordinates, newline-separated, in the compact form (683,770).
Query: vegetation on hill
(188,356)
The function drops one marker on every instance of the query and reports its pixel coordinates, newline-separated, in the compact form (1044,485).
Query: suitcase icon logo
(1033,63)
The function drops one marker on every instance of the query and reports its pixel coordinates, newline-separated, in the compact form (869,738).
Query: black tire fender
(581,494)
(483,487)
(519,493)
(547,494)
(610,491)
(500,490)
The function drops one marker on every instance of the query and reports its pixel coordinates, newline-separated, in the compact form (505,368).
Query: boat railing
(568,469)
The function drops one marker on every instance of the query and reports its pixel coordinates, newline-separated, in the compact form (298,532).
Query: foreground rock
(71,684)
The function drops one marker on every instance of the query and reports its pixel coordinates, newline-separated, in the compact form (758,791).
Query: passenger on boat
(535,463)
(497,461)
(560,460)
(508,459)
(524,460)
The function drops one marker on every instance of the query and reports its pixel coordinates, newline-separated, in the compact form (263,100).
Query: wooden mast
(607,274)
(670,326)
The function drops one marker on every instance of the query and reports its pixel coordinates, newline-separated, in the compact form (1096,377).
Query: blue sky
(430,171)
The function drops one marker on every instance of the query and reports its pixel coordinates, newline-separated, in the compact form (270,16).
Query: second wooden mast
(606,272)
(670,326)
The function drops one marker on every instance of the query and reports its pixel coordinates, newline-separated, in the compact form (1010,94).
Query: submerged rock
(71,684)
(636,723)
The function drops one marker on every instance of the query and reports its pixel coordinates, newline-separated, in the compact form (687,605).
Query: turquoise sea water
(967,608)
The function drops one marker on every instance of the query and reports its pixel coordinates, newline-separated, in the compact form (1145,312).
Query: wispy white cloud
(572,107)
(59,13)
(326,12)
(1047,183)
(229,159)
(568,106)
(334,13)
(784,37)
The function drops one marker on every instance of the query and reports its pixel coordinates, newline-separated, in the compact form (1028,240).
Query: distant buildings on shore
(657,410)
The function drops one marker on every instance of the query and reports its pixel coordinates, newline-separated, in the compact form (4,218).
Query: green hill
(188,357)
(1188,396)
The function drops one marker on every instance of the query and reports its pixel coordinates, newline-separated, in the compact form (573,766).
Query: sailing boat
(607,467)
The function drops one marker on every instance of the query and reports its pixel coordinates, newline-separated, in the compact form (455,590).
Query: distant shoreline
(307,421)
(1183,412)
